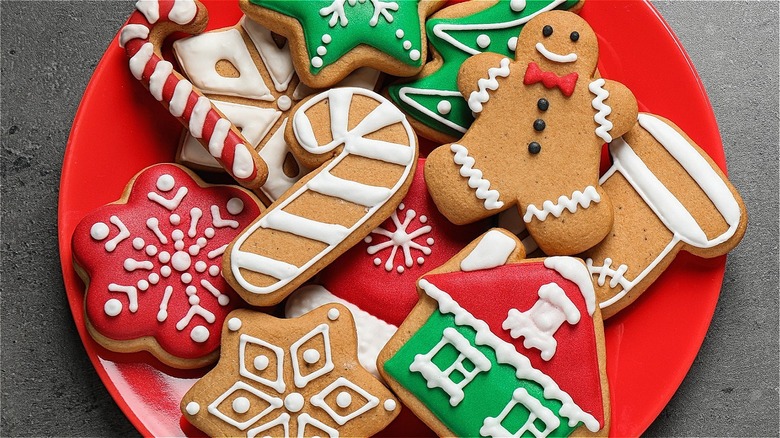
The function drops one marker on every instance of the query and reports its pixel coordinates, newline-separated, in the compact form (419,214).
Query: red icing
(489,294)
(534,74)
(390,296)
(106,267)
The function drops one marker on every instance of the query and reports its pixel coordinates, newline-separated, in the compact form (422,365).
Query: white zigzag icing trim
(578,198)
(477,98)
(597,87)
(476,181)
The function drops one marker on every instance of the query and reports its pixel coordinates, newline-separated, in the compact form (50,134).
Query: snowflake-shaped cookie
(289,377)
(402,236)
(152,263)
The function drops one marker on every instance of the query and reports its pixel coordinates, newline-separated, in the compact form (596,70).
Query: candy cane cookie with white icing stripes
(142,39)
(542,119)
(669,196)
(364,153)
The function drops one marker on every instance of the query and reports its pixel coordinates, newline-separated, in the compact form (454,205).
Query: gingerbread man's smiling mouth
(554,57)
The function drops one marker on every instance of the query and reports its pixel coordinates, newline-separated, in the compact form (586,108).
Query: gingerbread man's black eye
(547,30)
(575,36)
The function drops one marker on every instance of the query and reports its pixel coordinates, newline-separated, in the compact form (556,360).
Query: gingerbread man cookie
(670,196)
(542,120)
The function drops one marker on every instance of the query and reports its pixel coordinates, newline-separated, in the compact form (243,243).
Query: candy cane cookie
(364,153)
(142,39)
(668,196)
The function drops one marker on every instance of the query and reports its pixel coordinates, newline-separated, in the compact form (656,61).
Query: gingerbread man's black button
(543,104)
(539,125)
(534,147)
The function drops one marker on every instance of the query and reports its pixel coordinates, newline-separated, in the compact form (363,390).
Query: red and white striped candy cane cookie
(142,38)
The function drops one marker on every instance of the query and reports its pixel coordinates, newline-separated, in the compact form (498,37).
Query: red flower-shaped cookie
(152,265)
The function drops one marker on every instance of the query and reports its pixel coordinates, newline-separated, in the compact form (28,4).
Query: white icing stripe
(162,70)
(140,59)
(262,265)
(577,199)
(481,96)
(277,60)
(493,250)
(554,57)
(181,95)
(280,220)
(441,30)
(597,88)
(243,164)
(405,92)
(656,195)
(218,136)
(132,32)
(183,11)
(198,116)
(696,166)
(150,9)
(507,354)
(381,150)
(475,179)
(327,184)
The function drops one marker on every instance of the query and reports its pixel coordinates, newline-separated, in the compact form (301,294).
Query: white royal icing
(481,96)
(603,110)
(475,179)
(578,199)
(555,57)
(493,250)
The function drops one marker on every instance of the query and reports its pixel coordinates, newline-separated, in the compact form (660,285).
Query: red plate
(120,129)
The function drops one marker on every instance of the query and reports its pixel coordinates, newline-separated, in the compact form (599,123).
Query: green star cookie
(432,99)
(331,38)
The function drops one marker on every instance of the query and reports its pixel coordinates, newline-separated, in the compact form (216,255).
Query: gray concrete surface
(49,388)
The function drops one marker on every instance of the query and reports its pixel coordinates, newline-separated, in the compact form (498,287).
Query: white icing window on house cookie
(493,427)
(444,379)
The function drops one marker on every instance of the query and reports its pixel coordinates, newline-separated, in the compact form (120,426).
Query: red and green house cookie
(501,346)
(432,99)
(331,38)
(152,265)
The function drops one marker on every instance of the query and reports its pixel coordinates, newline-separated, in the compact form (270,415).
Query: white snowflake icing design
(261,388)
(403,237)
(171,256)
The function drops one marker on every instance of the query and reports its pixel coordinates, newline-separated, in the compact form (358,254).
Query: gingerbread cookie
(670,196)
(364,153)
(432,99)
(142,38)
(289,377)
(376,278)
(500,346)
(331,38)
(542,120)
(152,265)
(247,72)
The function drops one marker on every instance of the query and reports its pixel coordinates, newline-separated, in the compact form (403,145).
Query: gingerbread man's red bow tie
(565,83)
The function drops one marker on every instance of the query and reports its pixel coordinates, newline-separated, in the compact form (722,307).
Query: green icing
(485,396)
(456,39)
(332,33)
